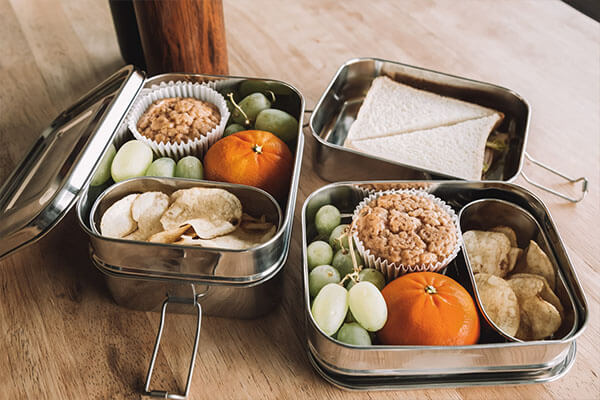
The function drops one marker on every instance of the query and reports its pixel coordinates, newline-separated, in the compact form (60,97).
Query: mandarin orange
(427,308)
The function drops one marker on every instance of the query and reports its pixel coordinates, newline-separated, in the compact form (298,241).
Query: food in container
(398,232)
(255,158)
(528,275)
(495,358)
(336,114)
(392,108)
(426,308)
(207,217)
(524,305)
(177,119)
(422,129)
(499,301)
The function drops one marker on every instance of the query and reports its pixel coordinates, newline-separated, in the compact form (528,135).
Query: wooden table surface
(62,336)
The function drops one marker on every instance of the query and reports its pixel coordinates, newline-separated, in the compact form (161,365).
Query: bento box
(337,109)
(57,174)
(494,359)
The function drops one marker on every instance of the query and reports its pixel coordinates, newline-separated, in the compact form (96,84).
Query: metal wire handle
(161,393)
(584,187)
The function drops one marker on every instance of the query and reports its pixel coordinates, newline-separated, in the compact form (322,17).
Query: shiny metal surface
(339,105)
(497,355)
(240,300)
(191,263)
(484,214)
(543,375)
(45,185)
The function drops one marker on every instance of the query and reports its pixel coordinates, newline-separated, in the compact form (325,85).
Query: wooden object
(62,336)
(182,36)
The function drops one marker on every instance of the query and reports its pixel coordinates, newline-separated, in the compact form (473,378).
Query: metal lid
(45,185)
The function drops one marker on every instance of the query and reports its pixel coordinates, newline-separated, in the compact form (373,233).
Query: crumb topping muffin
(407,229)
(178,120)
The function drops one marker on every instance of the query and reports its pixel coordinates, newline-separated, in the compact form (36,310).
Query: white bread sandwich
(455,150)
(391,108)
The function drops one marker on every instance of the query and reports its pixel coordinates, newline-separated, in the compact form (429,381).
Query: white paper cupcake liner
(367,189)
(392,270)
(196,147)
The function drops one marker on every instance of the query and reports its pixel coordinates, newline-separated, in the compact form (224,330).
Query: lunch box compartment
(338,107)
(496,360)
(484,214)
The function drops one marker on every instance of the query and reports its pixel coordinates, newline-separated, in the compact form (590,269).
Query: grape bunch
(254,112)
(347,301)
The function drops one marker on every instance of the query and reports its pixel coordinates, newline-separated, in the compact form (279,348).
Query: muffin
(405,231)
(178,119)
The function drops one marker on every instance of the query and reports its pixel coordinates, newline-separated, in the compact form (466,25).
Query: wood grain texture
(61,335)
(182,36)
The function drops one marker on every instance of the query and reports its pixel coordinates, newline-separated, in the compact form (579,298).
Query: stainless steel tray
(496,355)
(337,109)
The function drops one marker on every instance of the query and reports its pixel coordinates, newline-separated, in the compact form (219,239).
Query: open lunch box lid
(47,182)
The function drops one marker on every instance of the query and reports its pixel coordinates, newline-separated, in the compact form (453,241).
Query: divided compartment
(484,214)
(493,360)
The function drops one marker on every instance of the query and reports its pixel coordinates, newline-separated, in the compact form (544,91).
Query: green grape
(368,306)
(342,261)
(320,276)
(349,316)
(334,238)
(330,307)
(318,253)
(251,105)
(278,122)
(327,218)
(103,172)
(163,166)
(369,275)
(372,275)
(353,333)
(189,167)
(131,160)
(233,128)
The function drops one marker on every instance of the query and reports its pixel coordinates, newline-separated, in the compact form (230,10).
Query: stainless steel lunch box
(497,361)
(56,174)
(337,109)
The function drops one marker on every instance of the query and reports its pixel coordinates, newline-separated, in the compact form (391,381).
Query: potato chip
(536,262)
(117,221)
(545,293)
(240,239)
(147,210)
(539,317)
(499,302)
(169,236)
(509,232)
(211,212)
(513,256)
(487,252)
